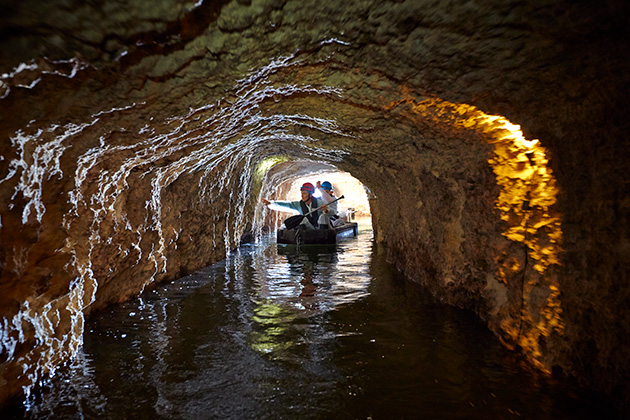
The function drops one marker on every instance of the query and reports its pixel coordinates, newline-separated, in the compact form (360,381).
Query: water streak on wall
(221,143)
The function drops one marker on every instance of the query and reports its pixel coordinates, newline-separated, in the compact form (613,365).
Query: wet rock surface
(138,139)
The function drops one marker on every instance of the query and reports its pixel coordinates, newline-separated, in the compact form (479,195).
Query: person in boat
(307,204)
(330,218)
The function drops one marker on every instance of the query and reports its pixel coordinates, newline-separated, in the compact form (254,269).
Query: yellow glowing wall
(528,194)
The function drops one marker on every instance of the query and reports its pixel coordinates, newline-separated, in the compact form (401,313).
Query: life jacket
(313,216)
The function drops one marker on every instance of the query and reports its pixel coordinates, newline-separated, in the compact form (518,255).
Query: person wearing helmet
(307,204)
(330,217)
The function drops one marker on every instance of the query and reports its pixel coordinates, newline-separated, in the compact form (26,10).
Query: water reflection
(279,332)
(294,285)
(76,388)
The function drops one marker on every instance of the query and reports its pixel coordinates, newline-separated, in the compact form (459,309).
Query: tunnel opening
(283,182)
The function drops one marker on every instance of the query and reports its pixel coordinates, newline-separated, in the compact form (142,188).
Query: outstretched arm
(293,206)
(325,196)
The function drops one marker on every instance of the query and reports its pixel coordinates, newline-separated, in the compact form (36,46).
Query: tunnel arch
(427,165)
(95,120)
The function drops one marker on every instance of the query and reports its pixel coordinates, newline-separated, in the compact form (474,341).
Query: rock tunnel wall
(137,140)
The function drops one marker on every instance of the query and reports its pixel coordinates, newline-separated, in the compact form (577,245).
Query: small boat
(317,236)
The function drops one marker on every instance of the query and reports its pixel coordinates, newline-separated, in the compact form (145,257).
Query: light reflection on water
(276,332)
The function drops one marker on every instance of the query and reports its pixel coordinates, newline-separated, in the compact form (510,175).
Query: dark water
(280,333)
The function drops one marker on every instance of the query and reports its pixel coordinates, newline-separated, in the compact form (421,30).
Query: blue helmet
(327,186)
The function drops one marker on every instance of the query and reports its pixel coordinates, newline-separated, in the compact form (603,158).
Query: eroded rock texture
(138,136)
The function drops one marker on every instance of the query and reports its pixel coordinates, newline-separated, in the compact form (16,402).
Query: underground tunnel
(489,139)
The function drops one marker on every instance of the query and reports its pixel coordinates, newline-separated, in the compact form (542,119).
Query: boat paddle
(293,221)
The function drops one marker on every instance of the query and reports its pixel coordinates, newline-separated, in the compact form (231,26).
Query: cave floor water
(276,332)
